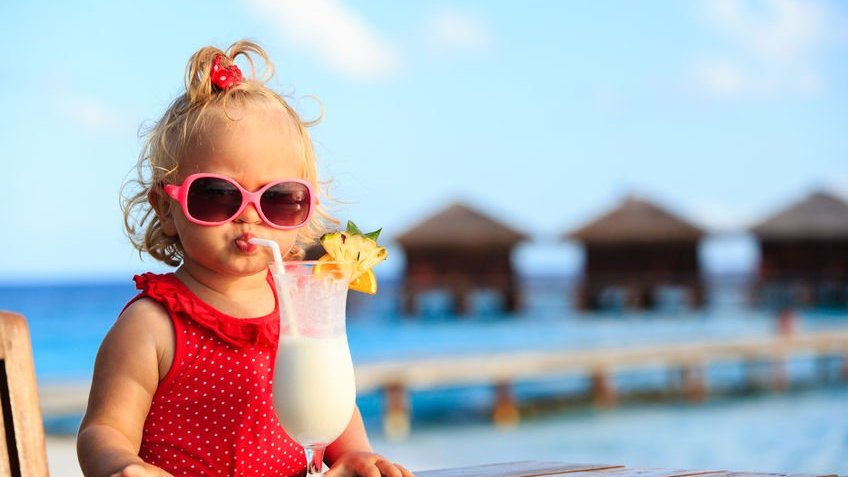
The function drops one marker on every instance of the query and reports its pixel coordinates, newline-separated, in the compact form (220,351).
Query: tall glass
(314,389)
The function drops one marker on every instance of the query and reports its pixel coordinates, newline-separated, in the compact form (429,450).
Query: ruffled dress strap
(180,301)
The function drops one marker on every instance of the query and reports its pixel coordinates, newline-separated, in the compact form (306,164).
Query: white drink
(314,389)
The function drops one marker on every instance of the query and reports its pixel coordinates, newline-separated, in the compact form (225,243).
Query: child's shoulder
(145,317)
(143,308)
(138,347)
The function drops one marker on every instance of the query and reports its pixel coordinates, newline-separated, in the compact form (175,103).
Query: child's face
(261,146)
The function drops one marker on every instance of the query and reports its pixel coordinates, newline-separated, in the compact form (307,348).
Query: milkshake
(314,389)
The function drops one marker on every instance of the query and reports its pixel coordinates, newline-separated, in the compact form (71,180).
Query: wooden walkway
(540,469)
(503,370)
(600,365)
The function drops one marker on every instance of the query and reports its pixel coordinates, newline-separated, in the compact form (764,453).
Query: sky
(542,114)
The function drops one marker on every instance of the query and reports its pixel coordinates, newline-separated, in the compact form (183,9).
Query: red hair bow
(225,77)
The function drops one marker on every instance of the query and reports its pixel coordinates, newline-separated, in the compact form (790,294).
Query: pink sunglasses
(213,199)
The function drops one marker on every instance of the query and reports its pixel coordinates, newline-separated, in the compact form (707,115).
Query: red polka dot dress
(212,414)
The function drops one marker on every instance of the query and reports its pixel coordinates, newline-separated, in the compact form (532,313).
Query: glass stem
(314,460)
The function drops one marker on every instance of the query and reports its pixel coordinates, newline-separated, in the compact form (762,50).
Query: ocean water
(804,430)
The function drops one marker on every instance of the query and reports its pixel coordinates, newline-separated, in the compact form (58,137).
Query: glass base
(314,461)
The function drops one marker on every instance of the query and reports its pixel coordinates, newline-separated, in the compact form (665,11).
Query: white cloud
(776,48)
(95,115)
(452,30)
(722,77)
(335,33)
(783,31)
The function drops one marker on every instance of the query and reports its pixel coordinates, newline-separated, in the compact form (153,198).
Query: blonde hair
(182,126)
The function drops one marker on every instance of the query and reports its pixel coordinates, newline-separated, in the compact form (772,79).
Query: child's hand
(141,470)
(366,464)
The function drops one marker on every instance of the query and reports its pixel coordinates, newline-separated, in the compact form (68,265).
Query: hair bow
(225,77)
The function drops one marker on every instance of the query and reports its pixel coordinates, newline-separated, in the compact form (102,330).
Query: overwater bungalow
(460,250)
(634,252)
(804,254)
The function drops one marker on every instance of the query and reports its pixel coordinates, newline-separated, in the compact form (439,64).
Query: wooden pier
(552,469)
(765,356)
(503,370)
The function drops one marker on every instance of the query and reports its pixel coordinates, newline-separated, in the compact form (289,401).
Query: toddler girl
(182,381)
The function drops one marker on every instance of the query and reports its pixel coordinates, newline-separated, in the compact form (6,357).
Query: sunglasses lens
(286,204)
(213,200)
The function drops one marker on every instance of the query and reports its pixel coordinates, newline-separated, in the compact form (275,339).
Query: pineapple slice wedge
(366,283)
(359,249)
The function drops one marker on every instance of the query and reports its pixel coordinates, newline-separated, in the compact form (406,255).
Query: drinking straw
(281,284)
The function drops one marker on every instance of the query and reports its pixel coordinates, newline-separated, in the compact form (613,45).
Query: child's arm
(351,455)
(135,352)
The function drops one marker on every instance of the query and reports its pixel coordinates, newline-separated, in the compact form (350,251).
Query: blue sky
(543,114)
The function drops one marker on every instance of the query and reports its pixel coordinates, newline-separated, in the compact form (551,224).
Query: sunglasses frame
(180,194)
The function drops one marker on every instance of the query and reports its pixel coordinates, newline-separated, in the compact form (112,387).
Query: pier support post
(505,412)
(753,378)
(604,392)
(695,383)
(780,375)
(396,422)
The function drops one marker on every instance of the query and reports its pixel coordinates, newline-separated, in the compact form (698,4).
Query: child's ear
(161,204)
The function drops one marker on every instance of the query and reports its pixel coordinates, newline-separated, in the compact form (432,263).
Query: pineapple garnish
(358,248)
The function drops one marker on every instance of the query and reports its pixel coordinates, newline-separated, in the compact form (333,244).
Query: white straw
(278,257)
(280,281)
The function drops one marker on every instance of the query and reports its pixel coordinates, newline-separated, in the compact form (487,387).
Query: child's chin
(255,267)
(245,266)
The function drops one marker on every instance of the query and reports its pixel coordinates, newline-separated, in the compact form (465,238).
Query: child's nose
(249,215)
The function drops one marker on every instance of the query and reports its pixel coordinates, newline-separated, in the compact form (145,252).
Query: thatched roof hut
(459,225)
(636,220)
(804,253)
(638,247)
(819,216)
(460,249)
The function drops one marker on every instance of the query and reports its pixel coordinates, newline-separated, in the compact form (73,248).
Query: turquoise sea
(803,430)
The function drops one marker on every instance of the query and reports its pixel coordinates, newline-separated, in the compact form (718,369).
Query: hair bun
(204,80)
(225,77)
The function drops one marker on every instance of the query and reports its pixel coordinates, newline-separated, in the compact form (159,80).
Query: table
(539,469)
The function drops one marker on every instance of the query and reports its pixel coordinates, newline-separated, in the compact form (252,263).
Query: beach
(62,456)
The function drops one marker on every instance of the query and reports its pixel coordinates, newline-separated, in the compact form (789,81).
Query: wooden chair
(22,448)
